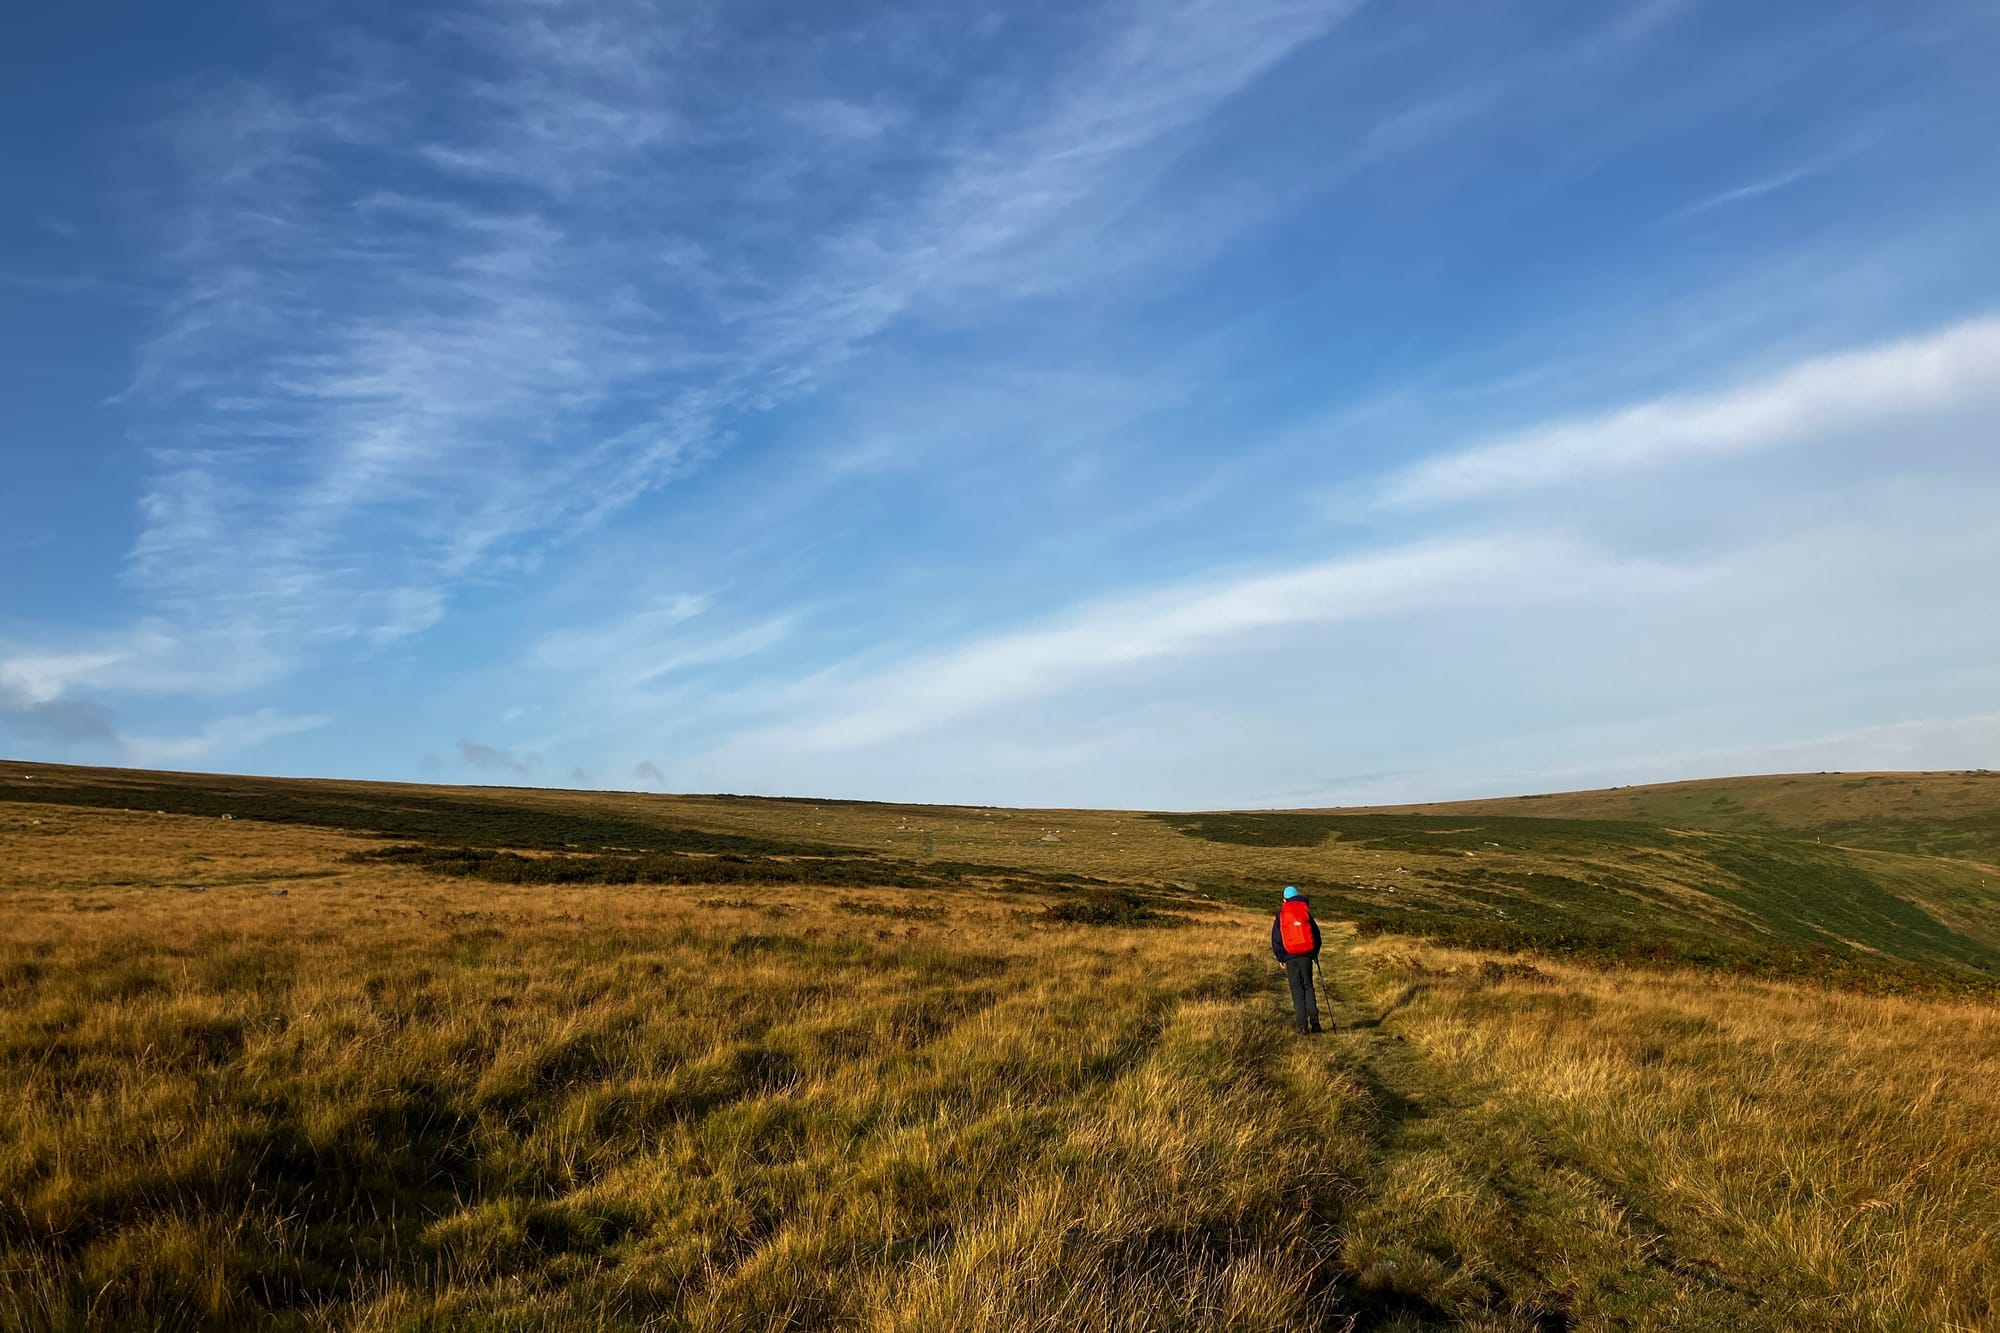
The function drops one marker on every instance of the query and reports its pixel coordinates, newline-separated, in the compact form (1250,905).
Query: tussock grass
(391,1102)
(402,1096)
(1826,1160)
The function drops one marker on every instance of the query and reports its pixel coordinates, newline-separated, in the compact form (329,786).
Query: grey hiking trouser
(1305,1003)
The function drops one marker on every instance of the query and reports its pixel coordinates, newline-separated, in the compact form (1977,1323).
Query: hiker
(1295,943)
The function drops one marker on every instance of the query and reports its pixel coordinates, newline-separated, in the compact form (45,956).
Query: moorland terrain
(352,1055)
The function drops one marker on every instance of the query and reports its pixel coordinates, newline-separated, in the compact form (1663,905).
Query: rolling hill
(1873,880)
(1954,814)
(347,1055)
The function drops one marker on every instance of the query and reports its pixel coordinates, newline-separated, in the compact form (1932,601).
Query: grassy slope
(395,1098)
(1725,875)
(1954,814)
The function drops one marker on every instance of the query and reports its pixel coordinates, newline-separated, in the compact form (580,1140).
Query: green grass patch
(1976,837)
(1582,920)
(1806,897)
(1420,833)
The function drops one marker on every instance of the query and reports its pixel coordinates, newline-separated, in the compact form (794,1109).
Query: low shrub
(1106,907)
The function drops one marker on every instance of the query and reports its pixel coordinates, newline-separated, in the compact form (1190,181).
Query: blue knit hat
(1291,892)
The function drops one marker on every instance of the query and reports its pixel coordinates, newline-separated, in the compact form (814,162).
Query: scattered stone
(229,816)
(195,888)
(279,893)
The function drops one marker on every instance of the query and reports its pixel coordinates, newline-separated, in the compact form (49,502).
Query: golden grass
(381,1099)
(384,1100)
(1837,1155)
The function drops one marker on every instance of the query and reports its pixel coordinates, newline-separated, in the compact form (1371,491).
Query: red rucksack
(1295,926)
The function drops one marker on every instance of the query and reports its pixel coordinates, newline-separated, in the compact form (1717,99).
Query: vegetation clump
(1107,907)
(893,911)
(651,868)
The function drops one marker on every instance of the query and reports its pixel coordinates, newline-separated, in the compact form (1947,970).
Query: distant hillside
(1878,881)
(1955,814)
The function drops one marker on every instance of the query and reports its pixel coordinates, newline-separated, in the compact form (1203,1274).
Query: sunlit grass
(390,1099)
(249,1078)
(1836,1155)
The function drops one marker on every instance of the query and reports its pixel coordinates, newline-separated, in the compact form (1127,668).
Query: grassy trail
(1563,1147)
(1469,1216)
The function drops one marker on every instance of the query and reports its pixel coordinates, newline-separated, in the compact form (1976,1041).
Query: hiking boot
(1316,1027)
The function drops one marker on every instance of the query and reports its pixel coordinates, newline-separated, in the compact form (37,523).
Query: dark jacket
(1278,940)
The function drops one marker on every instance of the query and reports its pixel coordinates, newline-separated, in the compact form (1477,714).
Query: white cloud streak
(649,645)
(1752,190)
(1099,641)
(1827,398)
(39,680)
(231,735)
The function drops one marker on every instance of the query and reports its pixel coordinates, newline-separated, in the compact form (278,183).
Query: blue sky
(1164,404)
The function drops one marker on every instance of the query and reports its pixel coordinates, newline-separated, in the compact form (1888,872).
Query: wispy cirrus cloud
(234,734)
(445,304)
(1825,398)
(1751,190)
(1856,143)
(1116,637)
(1610,655)
(150,658)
